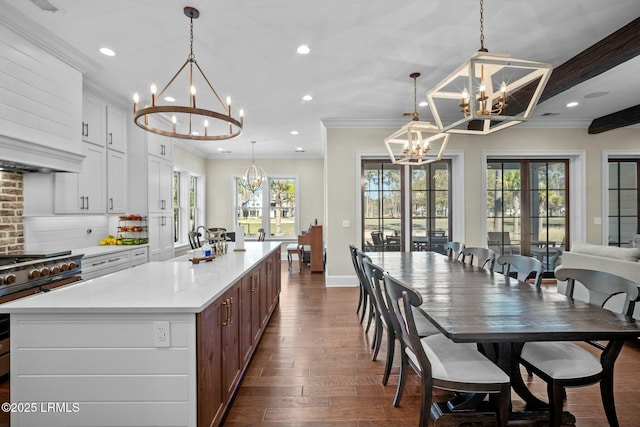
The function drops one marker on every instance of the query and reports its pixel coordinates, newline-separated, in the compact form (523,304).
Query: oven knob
(55,269)
(72,265)
(44,271)
(11,278)
(64,267)
(34,274)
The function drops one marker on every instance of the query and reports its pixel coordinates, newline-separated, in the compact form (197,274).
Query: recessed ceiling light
(294,132)
(307,97)
(572,104)
(106,51)
(299,150)
(596,94)
(169,99)
(220,149)
(423,104)
(303,49)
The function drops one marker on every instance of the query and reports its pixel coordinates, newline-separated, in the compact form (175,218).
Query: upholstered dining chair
(565,364)
(523,266)
(363,296)
(439,362)
(194,239)
(483,257)
(374,275)
(453,249)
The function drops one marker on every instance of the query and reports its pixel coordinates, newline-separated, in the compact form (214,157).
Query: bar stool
(294,249)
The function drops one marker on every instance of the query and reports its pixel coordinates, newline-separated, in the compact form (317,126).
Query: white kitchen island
(160,344)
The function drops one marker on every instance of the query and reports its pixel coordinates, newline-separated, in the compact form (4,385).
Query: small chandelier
(417,142)
(488,92)
(254,177)
(190,121)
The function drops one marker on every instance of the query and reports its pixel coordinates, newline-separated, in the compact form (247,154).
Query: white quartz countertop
(156,287)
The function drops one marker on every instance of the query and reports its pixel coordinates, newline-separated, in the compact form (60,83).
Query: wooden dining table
(470,304)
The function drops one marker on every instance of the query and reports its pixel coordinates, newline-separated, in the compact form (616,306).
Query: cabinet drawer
(5,345)
(139,256)
(104,264)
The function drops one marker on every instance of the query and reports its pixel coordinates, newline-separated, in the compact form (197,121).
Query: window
(272,207)
(528,208)
(623,201)
(188,204)
(386,200)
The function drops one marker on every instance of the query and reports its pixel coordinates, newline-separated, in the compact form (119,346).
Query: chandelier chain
(415,100)
(482,25)
(191,56)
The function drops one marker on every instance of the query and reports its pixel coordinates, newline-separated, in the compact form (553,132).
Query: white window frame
(183,226)
(266,207)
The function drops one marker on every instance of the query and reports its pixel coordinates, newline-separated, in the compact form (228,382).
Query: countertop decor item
(488,92)
(209,119)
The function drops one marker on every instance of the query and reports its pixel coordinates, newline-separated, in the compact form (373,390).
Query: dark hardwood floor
(313,368)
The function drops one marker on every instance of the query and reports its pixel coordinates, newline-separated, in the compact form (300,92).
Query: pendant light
(488,92)
(254,177)
(416,142)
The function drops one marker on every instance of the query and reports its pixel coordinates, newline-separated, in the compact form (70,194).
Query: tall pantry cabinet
(150,187)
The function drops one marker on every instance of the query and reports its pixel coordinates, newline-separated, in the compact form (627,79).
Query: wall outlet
(161,334)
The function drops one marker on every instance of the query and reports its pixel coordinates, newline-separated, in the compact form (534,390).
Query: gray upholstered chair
(523,266)
(374,275)
(453,249)
(565,364)
(482,257)
(440,362)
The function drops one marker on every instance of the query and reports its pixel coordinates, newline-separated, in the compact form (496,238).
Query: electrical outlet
(161,334)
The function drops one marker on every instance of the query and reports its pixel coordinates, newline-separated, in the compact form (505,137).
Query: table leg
(509,361)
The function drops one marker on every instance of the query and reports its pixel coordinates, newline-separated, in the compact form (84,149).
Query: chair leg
(378,338)
(504,403)
(554,391)
(606,391)
(425,405)
(404,370)
(371,314)
(391,348)
(365,302)
(360,297)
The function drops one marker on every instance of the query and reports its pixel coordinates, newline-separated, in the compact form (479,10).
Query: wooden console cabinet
(313,239)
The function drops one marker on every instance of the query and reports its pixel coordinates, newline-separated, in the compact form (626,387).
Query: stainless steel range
(26,274)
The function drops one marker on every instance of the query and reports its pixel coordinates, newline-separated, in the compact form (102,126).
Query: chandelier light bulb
(228,100)
(136,97)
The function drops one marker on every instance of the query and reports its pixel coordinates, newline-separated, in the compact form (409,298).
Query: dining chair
(565,364)
(453,249)
(367,298)
(261,234)
(440,362)
(484,257)
(523,266)
(363,296)
(194,239)
(374,316)
(374,275)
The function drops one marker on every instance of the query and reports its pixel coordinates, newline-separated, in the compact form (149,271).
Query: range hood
(25,156)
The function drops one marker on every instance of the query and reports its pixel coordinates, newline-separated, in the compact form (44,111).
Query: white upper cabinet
(116,129)
(93,119)
(116,182)
(160,146)
(83,192)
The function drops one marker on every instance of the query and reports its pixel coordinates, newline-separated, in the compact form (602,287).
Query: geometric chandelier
(417,142)
(208,119)
(254,177)
(488,92)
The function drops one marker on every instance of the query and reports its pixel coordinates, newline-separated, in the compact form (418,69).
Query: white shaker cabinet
(83,192)
(93,119)
(116,129)
(160,236)
(116,182)
(160,173)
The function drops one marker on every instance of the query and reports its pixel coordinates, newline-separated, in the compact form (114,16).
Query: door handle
(110,138)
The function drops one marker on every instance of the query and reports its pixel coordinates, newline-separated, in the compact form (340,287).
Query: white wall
(343,146)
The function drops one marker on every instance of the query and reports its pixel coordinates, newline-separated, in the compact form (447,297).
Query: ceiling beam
(618,47)
(628,116)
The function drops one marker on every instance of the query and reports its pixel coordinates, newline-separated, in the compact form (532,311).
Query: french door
(405,207)
(528,208)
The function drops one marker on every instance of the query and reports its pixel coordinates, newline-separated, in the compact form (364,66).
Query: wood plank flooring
(313,368)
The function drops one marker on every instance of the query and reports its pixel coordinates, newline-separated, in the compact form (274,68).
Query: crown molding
(30,30)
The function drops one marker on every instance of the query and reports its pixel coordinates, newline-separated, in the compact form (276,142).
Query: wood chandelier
(189,121)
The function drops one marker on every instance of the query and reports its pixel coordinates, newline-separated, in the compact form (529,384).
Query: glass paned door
(382,206)
(623,202)
(430,206)
(504,207)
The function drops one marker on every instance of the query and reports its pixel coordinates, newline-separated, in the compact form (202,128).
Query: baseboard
(340,281)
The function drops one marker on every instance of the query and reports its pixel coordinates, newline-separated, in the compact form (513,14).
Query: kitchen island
(160,344)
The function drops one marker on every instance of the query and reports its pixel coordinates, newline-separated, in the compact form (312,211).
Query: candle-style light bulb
(154,89)
(228,100)
(206,127)
(193,96)
(503,87)
(174,120)
(136,99)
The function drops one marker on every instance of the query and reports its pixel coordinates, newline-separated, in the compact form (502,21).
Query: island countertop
(175,285)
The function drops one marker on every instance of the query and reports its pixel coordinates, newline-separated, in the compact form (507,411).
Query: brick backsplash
(11,207)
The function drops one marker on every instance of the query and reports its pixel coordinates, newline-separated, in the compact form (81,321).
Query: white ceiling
(362,52)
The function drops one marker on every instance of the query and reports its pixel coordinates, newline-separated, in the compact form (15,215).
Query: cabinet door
(116,129)
(82,192)
(93,180)
(256,320)
(160,185)
(209,364)
(160,237)
(231,340)
(246,335)
(93,120)
(116,182)
(160,146)
(168,250)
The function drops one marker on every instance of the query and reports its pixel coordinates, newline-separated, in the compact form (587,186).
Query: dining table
(471,304)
